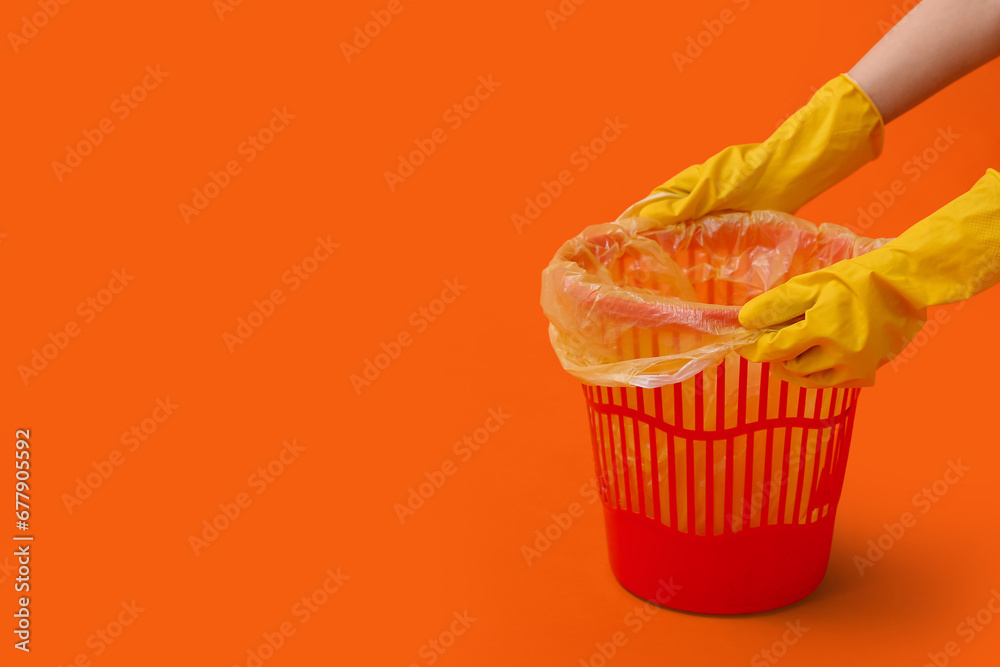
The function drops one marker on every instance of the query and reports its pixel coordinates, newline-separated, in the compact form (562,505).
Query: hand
(835,133)
(861,312)
(854,323)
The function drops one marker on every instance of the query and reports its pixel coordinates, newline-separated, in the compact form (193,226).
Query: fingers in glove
(782,345)
(778,370)
(816,359)
(839,376)
(777,306)
(842,376)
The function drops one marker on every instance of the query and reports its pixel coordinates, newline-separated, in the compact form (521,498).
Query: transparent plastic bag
(643,304)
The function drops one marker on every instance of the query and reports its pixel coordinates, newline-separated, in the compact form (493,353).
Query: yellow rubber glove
(860,313)
(838,131)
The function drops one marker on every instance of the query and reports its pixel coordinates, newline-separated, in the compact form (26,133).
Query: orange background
(323,175)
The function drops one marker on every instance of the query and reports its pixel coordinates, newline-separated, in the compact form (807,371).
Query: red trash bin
(719,481)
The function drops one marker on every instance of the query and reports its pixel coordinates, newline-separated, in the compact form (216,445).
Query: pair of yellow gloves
(860,312)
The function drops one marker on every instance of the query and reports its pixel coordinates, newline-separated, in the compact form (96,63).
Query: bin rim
(644,307)
(590,311)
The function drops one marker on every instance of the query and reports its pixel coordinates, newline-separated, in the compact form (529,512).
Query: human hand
(835,133)
(859,313)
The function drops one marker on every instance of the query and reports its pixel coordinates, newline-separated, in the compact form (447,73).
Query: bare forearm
(938,42)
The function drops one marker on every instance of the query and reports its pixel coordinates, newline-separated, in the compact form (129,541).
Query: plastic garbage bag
(638,303)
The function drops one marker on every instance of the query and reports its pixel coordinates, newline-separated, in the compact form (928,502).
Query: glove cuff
(836,133)
(878,112)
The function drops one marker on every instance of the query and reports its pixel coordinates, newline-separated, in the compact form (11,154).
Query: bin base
(752,570)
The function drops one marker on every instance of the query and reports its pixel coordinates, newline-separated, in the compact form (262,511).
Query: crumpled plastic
(639,303)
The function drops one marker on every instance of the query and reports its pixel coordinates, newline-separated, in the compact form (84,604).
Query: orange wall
(297,133)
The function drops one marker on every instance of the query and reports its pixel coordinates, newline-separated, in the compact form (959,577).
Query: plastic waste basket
(719,482)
